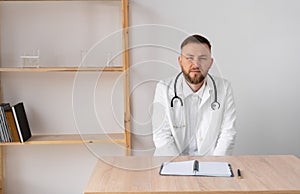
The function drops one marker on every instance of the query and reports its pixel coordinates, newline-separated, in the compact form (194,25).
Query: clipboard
(196,168)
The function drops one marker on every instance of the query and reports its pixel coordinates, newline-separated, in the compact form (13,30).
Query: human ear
(211,62)
(179,60)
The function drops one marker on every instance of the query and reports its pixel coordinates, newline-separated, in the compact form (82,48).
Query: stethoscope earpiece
(215,105)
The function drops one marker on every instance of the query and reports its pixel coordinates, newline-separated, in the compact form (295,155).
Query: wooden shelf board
(60,69)
(72,139)
(59,0)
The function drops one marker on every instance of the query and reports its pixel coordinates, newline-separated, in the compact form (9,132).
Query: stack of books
(14,126)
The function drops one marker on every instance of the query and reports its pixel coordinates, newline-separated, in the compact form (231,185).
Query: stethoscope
(214,105)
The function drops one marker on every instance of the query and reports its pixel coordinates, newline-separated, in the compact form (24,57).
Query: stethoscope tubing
(214,105)
(175,91)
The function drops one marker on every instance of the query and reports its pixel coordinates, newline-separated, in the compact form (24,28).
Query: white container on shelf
(30,61)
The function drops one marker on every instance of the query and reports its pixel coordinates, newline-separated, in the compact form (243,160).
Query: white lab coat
(218,126)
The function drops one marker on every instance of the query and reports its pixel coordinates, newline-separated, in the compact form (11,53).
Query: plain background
(255,46)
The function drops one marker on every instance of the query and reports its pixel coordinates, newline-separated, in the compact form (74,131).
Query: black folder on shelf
(21,122)
(195,168)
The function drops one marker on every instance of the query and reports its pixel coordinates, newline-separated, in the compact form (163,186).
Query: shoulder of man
(167,82)
(221,80)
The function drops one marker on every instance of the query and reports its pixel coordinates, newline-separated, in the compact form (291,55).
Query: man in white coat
(194,112)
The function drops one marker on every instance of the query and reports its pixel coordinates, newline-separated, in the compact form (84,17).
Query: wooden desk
(261,174)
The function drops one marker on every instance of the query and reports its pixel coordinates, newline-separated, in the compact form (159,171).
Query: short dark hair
(196,38)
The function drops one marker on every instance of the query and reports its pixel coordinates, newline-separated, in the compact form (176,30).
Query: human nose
(196,62)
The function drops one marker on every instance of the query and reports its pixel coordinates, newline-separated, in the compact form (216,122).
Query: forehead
(196,49)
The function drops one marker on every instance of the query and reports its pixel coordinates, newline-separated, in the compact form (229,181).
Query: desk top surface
(260,174)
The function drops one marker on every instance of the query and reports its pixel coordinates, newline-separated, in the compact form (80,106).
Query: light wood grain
(1,170)
(60,69)
(261,174)
(127,114)
(58,0)
(72,139)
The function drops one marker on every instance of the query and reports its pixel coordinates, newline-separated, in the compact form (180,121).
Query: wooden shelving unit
(120,138)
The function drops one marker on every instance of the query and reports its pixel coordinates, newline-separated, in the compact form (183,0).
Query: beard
(195,79)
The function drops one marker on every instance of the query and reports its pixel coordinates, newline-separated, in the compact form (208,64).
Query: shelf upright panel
(127,114)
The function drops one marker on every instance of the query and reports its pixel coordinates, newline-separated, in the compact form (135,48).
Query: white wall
(47,169)
(255,45)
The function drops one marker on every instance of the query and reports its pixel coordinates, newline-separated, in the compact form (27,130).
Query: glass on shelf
(31,60)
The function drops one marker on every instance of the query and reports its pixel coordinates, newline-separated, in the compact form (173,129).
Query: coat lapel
(177,114)
(209,122)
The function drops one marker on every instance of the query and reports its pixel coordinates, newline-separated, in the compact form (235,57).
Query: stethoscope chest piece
(215,105)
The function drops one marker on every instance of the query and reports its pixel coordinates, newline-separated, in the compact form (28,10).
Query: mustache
(195,69)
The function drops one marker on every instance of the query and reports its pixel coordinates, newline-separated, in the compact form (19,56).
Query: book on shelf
(11,122)
(21,122)
(195,168)
(5,135)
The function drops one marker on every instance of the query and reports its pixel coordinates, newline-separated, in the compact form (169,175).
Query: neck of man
(195,87)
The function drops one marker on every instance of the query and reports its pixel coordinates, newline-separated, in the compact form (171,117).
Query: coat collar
(187,91)
(208,90)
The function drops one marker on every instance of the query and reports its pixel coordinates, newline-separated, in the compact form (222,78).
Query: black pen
(239,173)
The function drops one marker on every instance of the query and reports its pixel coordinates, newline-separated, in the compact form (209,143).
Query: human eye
(190,58)
(203,58)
